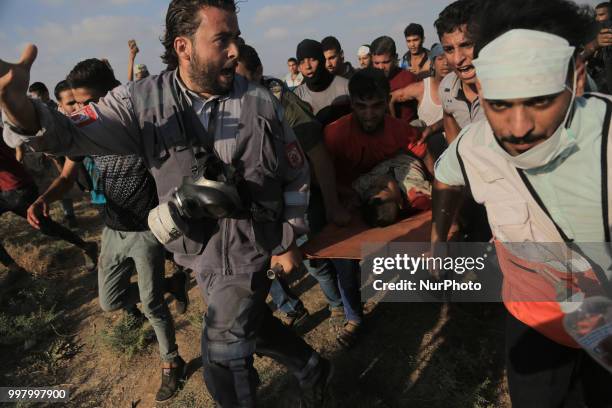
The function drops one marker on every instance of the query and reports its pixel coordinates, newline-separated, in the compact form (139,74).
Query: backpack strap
(606,161)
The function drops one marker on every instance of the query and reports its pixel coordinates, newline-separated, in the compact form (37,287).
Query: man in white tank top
(426,94)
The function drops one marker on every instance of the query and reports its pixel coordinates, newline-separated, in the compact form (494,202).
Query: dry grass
(413,355)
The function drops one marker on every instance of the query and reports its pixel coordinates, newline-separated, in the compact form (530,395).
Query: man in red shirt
(359,141)
(384,57)
(17,193)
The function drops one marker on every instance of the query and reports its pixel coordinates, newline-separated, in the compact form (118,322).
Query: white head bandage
(523,64)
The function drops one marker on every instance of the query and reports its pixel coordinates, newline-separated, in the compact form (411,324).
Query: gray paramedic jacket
(154,118)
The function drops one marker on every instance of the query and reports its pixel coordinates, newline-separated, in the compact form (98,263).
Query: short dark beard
(206,77)
(380,126)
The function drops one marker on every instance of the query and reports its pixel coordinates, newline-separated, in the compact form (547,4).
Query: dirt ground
(412,355)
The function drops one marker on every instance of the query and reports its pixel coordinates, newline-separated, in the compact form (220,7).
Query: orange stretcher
(347,242)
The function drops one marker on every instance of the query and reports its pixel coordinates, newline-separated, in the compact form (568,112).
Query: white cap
(523,64)
(363,50)
(140,68)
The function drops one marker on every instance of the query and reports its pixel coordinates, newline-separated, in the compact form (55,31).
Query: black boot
(296,318)
(317,395)
(172,381)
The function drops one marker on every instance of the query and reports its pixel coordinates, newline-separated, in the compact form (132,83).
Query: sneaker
(172,381)
(317,395)
(296,318)
(91,252)
(179,288)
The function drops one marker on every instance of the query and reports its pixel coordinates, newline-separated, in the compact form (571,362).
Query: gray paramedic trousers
(121,253)
(238,324)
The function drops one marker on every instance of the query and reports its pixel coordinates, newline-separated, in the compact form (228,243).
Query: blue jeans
(348,282)
(322,269)
(284,299)
(325,273)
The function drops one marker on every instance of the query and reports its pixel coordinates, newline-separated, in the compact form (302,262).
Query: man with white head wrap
(537,165)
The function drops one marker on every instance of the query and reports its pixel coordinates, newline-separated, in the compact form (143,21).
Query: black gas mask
(212,192)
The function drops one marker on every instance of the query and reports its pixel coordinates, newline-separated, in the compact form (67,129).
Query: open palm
(14,80)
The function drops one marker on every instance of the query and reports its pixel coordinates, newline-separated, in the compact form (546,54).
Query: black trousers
(238,323)
(545,374)
(17,201)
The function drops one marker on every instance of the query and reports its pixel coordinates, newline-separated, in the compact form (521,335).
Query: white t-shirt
(294,83)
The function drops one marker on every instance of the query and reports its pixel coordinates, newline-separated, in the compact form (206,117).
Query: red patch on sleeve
(84,117)
(294,155)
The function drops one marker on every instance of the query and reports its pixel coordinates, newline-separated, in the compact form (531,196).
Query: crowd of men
(498,129)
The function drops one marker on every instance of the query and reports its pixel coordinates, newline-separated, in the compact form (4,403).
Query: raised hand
(14,81)
(133,48)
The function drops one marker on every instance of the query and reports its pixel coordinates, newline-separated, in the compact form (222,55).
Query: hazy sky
(67,31)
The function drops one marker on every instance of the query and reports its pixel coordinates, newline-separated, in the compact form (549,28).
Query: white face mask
(551,148)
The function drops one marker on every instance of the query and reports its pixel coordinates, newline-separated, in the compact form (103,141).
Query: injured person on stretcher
(393,190)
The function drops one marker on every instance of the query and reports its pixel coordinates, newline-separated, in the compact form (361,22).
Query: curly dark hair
(461,12)
(563,18)
(183,19)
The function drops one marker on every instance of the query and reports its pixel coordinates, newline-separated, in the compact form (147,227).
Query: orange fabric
(544,313)
(347,242)
(355,153)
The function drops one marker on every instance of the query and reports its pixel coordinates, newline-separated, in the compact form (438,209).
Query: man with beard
(361,140)
(364,57)
(358,142)
(458,89)
(196,121)
(334,58)
(416,60)
(540,164)
(384,57)
(326,93)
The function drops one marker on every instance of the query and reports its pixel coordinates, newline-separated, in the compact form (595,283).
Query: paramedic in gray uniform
(198,105)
